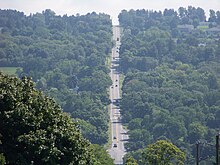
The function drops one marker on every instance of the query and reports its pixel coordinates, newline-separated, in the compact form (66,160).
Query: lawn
(9,70)
(202,27)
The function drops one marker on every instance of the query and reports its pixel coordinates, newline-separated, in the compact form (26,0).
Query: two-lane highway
(119,135)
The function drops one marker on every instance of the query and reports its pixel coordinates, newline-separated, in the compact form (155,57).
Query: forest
(171,89)
(66,57)
(170,93)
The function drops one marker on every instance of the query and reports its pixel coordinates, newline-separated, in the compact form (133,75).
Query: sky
(111,7)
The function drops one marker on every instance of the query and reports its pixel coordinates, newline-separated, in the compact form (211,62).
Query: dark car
(114,137)
(116,101)
(116,85)
(115,145)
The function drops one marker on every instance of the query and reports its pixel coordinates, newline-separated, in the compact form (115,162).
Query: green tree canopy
(101,155)
(35,130)
(164,153)
(131,161)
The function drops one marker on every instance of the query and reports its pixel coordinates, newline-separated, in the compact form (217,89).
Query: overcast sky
(111,7)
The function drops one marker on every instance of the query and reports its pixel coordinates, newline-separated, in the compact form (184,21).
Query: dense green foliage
(34,130)
(2,159)
(171,88)
(163,153)
(65,56)
(169,19)
(130,161)
(101,155)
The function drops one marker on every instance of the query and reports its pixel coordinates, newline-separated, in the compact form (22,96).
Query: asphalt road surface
(119,135)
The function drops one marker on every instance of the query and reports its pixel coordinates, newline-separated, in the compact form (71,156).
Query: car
(114,137)
(116,80)
(115,145)
(117,103)
(111,86)
(116,85)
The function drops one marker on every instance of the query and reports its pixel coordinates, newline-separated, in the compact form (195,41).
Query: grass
(202,27)
(9,70)
(108,61)
(122,77)
(108,144)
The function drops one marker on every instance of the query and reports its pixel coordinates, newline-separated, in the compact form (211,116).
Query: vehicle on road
(116,85)
(117,102)
(115,145)
(114,137)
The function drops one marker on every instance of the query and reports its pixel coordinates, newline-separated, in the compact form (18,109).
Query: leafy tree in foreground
(101,155)
(2,159)
(131,161)
(34,129)
(164,153)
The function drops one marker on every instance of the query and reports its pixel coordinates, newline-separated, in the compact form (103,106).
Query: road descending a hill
(119,134)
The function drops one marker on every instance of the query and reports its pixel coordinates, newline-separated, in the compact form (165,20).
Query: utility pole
(197,152)
(217,149)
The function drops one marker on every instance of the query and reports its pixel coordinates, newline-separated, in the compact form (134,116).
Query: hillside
(66,57)
(171,89)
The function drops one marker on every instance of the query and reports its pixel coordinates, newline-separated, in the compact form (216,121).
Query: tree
(182,12)
(197,131)
(34,129)
(164,153)
(131,161)
(61,58)
(2,159)
(101,155)
(218,17)
(212,16)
